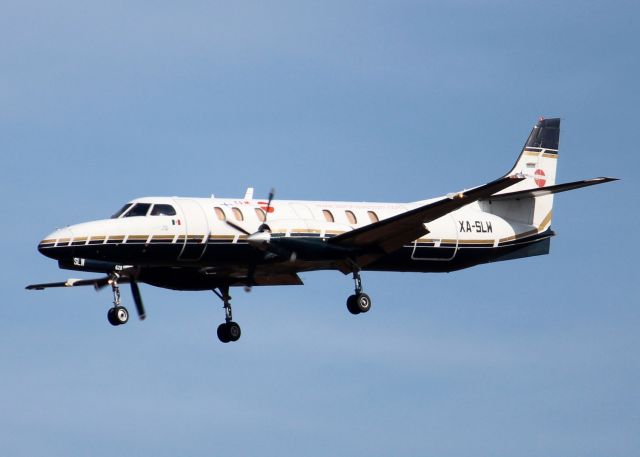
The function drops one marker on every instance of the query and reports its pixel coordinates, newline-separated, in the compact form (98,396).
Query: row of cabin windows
(328,215)
(143,209)
(237,213)
(351,217)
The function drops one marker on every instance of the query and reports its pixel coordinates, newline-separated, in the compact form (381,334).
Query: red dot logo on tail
(540,178)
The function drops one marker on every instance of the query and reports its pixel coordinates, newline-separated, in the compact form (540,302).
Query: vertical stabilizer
(537,163)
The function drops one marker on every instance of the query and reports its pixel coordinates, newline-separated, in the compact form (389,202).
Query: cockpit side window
(121,211)
(139,209)
(163,210)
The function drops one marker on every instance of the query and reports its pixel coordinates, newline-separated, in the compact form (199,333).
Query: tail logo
(540,178)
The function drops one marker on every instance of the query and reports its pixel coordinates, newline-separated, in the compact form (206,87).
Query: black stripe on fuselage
(240,254)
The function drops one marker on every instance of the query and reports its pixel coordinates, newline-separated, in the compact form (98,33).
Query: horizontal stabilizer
(531,193)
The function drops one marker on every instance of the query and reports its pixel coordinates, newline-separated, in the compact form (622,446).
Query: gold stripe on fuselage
(221,237)
(545,221)
(487,242)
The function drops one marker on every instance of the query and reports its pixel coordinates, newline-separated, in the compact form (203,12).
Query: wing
(391,234)
(72,282)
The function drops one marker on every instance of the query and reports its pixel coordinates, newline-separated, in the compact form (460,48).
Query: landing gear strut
(358,302)
(118,314)
(229,330)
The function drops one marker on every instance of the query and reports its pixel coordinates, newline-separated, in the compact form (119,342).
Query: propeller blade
(137,298)
(272,194)
(237,227)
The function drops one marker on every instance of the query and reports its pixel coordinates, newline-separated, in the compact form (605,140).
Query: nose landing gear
(117,315)
(358,302)
(229,331)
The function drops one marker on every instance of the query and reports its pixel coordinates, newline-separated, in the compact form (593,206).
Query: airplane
(218,243)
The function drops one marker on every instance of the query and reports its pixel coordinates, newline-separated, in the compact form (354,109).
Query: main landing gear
(358,302)
(118,314)
(229,330)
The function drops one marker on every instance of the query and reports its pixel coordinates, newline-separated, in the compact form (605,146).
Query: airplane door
(443,243)
(196,230)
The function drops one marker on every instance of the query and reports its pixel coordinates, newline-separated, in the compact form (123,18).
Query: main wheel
(223,335)
(229,331)
(351,305)
(233,330)
(363,302)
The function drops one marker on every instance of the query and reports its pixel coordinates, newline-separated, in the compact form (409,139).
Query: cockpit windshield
(142,209)
(139,209)
(163,210)
(121,211)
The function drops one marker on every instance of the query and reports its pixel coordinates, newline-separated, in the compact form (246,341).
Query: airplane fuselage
(195,235)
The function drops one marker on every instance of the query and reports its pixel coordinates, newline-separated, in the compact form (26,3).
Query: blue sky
(383,101)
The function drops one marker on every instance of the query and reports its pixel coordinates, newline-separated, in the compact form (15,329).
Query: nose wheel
(117,315)
(229,331)
(358,302)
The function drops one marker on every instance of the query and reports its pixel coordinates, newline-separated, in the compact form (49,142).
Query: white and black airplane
(217,243)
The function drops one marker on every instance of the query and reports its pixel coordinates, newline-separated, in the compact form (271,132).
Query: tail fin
(537,162)
(539,156)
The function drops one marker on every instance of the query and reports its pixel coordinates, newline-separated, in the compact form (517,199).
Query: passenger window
(373,216)
(351,217)
(220,214)
(238,214)
(328,216)
(139,209)
(260,214)
(163,210)
(121,211)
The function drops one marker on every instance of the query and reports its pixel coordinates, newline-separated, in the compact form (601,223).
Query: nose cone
(60,237)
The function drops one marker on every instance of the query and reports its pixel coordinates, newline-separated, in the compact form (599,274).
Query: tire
(351,305)
(111,317)
(363,302)
(223,334)
(233,331)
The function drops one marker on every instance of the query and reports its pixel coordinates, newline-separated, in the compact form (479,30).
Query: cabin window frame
(237,214)
(351,217)
(220,214)
(328,215)
(260,214)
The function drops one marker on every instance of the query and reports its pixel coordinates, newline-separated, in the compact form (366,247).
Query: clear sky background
(347,100)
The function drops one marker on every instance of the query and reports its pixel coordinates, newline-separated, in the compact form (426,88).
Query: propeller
(137,298)
(264,227)
(261,239)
